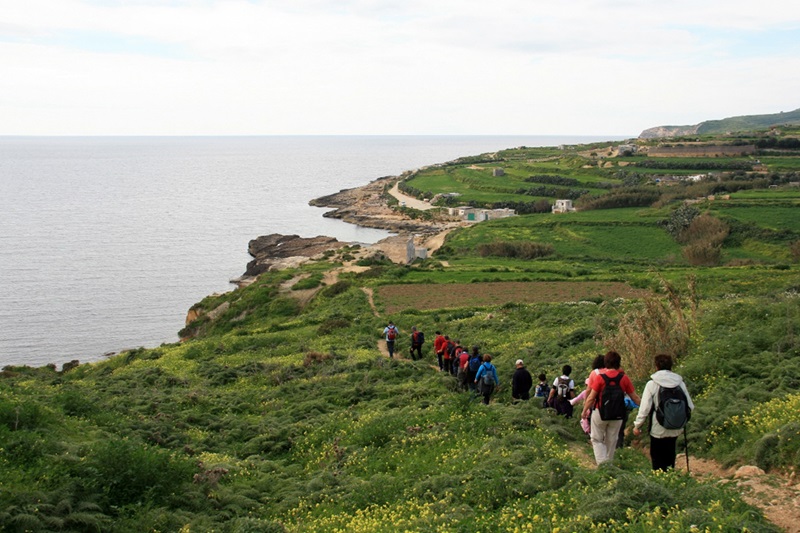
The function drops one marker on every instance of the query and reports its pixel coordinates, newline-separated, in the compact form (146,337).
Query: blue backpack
(474,363)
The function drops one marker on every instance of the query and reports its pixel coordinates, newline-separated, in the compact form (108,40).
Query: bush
(125,472)
(518,250)
(704,237)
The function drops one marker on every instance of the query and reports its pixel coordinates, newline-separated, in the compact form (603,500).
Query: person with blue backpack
(487,378)
(473,365)
(668,406)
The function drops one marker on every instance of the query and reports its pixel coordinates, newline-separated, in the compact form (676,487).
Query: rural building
(563,206)
(415,252)
(476,214)
(497,172)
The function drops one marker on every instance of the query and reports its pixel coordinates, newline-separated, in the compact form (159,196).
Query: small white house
(563,206)
(477,214)
(415,252)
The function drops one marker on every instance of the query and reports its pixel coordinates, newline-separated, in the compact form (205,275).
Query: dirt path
(409,201)
(436,241)
(371,299)
(777,496)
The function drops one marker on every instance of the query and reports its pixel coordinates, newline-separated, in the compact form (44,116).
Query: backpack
(542,390)
(612,399)
(391,334)
(420,338)
(673,408)
(562,389)
(474,363)
(487,378)
(451,349)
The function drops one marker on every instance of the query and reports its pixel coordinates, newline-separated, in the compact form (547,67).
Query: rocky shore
(365,206)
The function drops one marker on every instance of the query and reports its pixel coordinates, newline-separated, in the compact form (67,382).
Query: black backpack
(673,408)
(612,399)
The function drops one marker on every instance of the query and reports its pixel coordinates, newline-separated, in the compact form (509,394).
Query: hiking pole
(686,448)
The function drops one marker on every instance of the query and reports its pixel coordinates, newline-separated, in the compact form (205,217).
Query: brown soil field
(432,296)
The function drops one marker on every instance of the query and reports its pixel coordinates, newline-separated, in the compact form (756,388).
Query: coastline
(365,206)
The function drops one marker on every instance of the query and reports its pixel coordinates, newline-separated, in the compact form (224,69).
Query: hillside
(726,125)
(282,413)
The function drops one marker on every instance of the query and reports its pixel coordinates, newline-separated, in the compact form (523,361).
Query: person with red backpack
(607,390)
(390,332)
(447,355)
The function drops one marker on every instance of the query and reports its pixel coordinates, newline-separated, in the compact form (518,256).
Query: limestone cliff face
(668,131)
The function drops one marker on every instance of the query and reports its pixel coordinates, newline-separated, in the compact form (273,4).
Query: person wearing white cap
(521,382)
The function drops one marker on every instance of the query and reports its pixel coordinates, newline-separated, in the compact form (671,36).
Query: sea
(105,242)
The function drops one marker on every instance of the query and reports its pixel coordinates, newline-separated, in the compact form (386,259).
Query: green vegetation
(281,416)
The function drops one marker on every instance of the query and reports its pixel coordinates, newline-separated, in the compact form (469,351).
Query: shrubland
(278,415)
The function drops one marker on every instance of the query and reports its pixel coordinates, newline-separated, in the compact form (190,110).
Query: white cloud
(382,66)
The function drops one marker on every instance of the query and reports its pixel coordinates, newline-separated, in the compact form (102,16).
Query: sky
(391,67)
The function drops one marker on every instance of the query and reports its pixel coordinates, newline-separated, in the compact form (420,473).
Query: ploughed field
(435,296)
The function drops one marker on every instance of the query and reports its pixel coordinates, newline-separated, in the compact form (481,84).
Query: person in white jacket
(662,441)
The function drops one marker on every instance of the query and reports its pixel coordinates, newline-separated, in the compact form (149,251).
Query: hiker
(562,392)
(475,361)
(521,382)
(439,345)
(607,396)
(543,389)
(665,387)
(390,332)
(417,339)
(449,347)
(487,376)
(629,406)
(597,364)
(454,358)
(463,370)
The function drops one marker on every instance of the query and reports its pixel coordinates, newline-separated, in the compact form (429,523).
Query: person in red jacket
(439,346)
(604,432)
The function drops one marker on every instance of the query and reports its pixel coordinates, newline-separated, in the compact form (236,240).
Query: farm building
(563,206)
(497,172)
(415,252)
(476,214)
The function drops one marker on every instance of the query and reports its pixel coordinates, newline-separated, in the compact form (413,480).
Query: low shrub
(518,250)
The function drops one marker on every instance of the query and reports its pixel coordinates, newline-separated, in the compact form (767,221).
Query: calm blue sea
(105,242)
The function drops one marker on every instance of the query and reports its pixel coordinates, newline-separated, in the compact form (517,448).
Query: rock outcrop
(278,251)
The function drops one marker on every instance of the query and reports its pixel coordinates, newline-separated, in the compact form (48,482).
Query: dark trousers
(662,452)
(487,391)
(441,361)
(390,347)
(416,348)
(621,437)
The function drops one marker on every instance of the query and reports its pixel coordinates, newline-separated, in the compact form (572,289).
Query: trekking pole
(686,448)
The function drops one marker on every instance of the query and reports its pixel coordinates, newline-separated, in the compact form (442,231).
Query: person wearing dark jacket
(521,382)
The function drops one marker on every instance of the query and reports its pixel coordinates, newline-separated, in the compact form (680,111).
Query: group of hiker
(608,398)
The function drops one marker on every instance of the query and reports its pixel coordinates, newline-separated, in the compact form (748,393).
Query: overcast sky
(235,67)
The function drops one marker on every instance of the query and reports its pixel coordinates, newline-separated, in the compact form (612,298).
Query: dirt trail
(371,299)
(777,496)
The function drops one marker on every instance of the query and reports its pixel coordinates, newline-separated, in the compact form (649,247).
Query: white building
(563,206)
